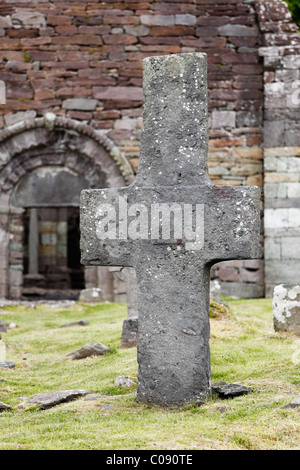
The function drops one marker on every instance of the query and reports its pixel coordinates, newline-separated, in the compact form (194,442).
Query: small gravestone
(129,337)
(91,296)
(286,308)
(172,224)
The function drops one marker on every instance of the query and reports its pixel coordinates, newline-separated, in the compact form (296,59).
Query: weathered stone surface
(7,364)
(174,367)
(124,381)
(89,349)
(225,390)
(4,407)
(237,30)
(48,400)
(286,308)
(82,104)
(295,403)
(91,295)
(129,338)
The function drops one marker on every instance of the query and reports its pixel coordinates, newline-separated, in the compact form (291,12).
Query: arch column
(59,145)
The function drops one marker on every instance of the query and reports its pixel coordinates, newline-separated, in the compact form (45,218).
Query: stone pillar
(33,242)
(4,249)
(15,260)
(129,337)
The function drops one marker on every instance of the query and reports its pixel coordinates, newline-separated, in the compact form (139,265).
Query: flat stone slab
(76,323)
(89,349)
(225,390)
(48,400)
(294,403)
(4,407)
(7,364)
(286,308)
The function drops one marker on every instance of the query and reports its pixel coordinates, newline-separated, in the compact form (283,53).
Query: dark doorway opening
(52,266)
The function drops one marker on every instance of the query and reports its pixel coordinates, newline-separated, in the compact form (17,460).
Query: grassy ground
(244,349)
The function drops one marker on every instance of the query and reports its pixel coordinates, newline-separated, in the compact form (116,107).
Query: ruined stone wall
(83,60)
(281,54)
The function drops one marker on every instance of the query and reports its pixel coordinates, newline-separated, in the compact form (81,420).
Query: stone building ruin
(73,118)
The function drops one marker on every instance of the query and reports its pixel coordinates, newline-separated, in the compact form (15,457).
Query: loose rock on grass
(89,349)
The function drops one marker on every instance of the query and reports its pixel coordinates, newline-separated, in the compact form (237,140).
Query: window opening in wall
(51,264)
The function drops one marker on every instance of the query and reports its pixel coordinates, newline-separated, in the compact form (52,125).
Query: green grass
(244,349)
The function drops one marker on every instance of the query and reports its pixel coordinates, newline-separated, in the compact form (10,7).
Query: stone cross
(172,224)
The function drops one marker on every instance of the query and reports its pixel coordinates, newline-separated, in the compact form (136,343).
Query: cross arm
(232,223)
(102,218)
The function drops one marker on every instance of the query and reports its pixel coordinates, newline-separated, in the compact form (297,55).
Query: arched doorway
(45,163)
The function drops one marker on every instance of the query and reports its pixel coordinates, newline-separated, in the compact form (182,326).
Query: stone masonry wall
(83,60)
(281,53)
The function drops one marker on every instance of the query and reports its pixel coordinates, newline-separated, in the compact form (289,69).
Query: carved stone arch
(45,148)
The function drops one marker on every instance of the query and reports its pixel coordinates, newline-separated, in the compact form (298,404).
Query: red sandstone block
(248,69)
(242,82)
(80,39)
(224,94)
(171,31)
(216,42)
(279,11)
(172,49)
(248,105)
(220,143)
(102,29)
(129,72)
(240,41)
(253,140)
(43,55)
(139,56)
(119,39)
(238,58)
(81,116)
(35,42)
(75,11)
(55,20)
(122,104)
(22,33)
(211,21)
(45,94)
(160,40)
(9,44)
(66,30)
(120,20)
(17,105)
(118,93)
(69,92)
(106,124)
(207,31)
(111,114)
